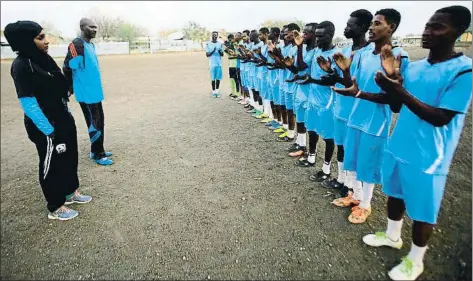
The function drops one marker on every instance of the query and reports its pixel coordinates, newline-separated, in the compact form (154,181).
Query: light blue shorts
(319,120)
(276,94)
(339,131)
(422,193)
(289,100)
(215,73)
(364,155)
(299,110)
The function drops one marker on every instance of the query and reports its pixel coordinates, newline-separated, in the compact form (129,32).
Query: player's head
(214,36)
(284,28)
(445,26)
(246,35)
(237,36)
(309,32)
(290,28)
(274,33)
(358,23)
(254,35)
(231,38)
(263,33)
(324,33)
(88,28)
(384,24)
(26,38)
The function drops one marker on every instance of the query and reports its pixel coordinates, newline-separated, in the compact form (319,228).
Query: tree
(166,32)
(193,31)
(107,26)
(281,22)
(128,32)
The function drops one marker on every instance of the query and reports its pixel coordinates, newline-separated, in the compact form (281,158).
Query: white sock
(368,189)
(311,158)
(216,90)
(290,134)
(280,123)
(213,92)
(298,139)
(356,185)
(394,229)
(326,168)
(341,173)
(271,113)
(416,254)
(302,139)
(285,126)
(349,179)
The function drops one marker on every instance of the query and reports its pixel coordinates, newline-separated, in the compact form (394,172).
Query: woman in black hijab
(42,91)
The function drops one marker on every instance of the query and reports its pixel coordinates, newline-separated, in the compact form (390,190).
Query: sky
(215,15)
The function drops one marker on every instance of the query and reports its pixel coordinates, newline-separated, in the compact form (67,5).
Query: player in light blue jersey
(318,115)
(261,75)
(272,78)
(347,61)
(369,122)
(244,67)
(306,49)
(214,51)
(289,88)
(433,100)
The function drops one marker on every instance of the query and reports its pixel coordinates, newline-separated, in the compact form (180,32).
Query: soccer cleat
(104,161)
(262,116)
(332,184)
(285,134)
(272,123)
(275,127)
(320,176)
(218,96)
(107,154)
(303,162)
(279,130)
(80,199)
(293,147)
(286,139)
(406,270)
(257,113)
(346,201)
(381,239)
(214,95)
(266,120)
(251,110)
(248,106)
(63,214)
(359,215)
(302,150)
(344,192)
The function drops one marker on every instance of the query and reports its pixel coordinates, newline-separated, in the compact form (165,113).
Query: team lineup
(305,88)
(392,122)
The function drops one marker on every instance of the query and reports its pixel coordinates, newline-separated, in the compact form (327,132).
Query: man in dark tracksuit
(82,70)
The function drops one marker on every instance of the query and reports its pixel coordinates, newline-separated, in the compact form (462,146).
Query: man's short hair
(392,16)
(293,26)
(327,25)
(246,31)
(313,25)
(459,16)
(264,30)
(364,18)
(275,30)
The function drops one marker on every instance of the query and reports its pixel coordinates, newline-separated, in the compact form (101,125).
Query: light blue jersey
(86,77)
(259,70)
(444,85)
(321,96)
(272,74)
(369,117)
(302,91)
(281,73)
(215,59)
(344,104)
(290,87)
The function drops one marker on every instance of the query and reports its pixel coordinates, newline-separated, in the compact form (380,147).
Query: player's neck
(380,43)
(327,47)
(310,45)
(441,54)
(359,42)
(85,38)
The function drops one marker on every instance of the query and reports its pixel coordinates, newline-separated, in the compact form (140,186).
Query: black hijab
(20,35)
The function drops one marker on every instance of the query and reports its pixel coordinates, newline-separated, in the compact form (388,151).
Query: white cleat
(406,270)
(381,239)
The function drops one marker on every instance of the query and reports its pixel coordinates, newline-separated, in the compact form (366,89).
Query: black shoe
(343,192)
(285,139)
(319,177)
(294,147)
(302,162)
(332,184)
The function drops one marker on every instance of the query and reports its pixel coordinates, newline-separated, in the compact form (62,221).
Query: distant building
(466,36)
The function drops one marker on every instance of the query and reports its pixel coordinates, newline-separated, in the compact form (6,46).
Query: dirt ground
(199,190)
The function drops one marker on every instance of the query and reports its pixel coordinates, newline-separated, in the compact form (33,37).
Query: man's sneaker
(104,161)
(303,162)
(284,134)
(332,184)
(272,123)
(275,127)
(80,199)
(247,105)
(344,192)
(279,130)
(241,102)
(381,239)
(301,152)
(320,176)
(346,201)
(218,96)
(406,270)
(266,120)
(63,214)
(107,154)
(252,110)
(257,113)
(359,215)
(214,95)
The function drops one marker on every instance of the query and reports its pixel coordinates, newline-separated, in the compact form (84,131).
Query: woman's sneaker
(63,214)
(79,199)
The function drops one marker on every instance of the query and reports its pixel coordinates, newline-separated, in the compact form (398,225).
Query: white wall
(58,51)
